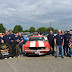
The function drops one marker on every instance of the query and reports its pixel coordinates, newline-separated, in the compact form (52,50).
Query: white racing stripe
(41,44)
(32,44)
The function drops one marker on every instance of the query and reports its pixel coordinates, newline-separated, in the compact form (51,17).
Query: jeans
(17,49)
(59,47)
(52,48)
(68,52)
(12,44)
(64,50)
(20,46)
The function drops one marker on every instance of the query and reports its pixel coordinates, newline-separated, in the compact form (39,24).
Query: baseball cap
(59,30)
(68,30)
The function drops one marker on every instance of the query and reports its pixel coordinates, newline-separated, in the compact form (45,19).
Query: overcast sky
(36,13)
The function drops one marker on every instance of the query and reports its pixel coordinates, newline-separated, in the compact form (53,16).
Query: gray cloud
(36,13)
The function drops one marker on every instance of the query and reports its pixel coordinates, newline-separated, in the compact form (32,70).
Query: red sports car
(36,45)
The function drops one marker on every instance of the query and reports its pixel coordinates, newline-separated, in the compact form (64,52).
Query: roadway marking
(39,57)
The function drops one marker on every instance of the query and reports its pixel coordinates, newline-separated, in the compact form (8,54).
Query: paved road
(36,64)
(46,63)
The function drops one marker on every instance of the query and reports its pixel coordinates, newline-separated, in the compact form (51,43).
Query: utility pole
(50,23)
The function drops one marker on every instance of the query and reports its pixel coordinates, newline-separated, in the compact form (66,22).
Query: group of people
(15,41)
(61,40)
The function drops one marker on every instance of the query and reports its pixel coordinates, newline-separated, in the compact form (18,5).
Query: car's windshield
(36,39)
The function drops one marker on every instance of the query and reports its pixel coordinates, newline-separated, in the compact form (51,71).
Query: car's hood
(36,44)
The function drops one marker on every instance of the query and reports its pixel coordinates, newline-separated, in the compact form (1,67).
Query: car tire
(48,53)
(25,54)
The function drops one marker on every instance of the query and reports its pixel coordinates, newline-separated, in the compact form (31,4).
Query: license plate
(37,52)
(4,53)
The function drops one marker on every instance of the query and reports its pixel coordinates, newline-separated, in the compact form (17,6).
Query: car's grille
(36,48)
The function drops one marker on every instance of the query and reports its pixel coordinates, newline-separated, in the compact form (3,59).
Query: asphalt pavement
(47,63)
(36,64)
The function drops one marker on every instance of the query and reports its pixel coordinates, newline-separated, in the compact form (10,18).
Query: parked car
(36,45)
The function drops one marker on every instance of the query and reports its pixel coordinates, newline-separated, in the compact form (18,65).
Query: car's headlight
(27,48)
(46,47)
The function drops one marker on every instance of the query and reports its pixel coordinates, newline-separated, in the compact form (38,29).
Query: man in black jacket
(50,38)
(67,38)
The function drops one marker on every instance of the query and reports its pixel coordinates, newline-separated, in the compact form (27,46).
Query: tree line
(19,28)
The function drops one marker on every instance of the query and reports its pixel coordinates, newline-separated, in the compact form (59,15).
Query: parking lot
(46,63)
(36,64)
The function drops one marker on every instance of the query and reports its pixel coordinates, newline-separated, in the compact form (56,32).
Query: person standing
(17,44)
(12,42)
(11,36)
(67,38)
(59,42)
(64,42)
(6,39)
(50,38)
(70,45)
(21,38)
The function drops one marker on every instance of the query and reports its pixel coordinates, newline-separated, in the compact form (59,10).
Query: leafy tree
(32,29)
(26,31)
(50,28)
(55,30)
(2,28)
(18,28)
(70,30)
(42,29)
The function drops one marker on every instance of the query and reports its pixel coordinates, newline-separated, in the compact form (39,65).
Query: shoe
(55,56)
(64,54)
(62,57)
(10,57)
(19,56)
(14,57)
(52,54)
(70,56)
(5,58)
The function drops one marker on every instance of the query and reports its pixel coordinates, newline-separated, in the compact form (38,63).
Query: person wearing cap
(59,42)
(50,38)
(67,38)
(17,44)
(11,36)
(21,38)
(12,42)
